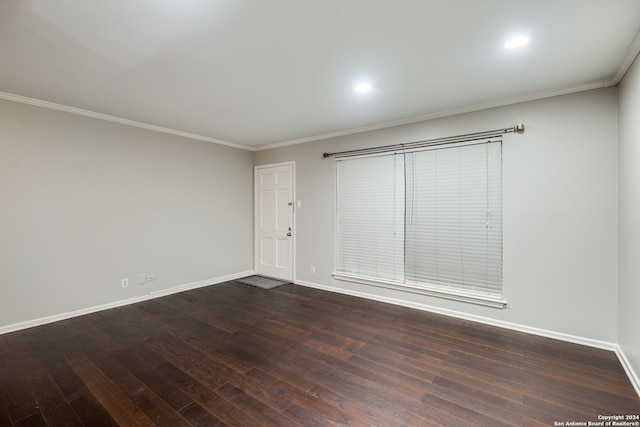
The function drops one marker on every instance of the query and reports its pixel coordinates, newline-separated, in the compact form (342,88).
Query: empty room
(329,213)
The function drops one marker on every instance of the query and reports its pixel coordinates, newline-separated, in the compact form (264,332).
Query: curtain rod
(519,128)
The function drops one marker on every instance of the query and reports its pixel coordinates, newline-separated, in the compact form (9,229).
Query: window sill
(424,290)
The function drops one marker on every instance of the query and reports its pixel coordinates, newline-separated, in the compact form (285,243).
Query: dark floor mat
(262,282)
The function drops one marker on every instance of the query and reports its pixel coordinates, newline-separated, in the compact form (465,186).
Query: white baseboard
(633,376)
(151,295)
(626,365)
(466,316)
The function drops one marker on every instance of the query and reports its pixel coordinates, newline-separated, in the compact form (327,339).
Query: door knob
(289,234)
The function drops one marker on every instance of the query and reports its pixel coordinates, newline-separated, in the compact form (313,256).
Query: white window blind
(428,220)
(370,196)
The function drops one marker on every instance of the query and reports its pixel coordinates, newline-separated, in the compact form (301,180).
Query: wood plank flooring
(236,355)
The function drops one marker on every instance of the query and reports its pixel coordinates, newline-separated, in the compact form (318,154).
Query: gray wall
(629,218)
(560,211)
(85,203)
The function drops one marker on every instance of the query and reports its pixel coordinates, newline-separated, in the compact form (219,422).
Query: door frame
(256,168)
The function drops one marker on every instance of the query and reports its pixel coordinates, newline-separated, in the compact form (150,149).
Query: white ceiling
(261,72)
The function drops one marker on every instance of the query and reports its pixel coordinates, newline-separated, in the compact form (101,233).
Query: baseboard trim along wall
(151,295)
(633,377)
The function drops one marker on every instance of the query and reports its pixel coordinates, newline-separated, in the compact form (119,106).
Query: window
(427,220)
(371,217)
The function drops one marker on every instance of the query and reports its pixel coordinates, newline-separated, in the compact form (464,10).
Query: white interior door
(274,221)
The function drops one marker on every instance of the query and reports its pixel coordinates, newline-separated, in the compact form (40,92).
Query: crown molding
(95,115)
(452,112)
(502,102)
(631,55)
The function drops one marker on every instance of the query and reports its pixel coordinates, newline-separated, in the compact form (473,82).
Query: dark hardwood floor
(293,356)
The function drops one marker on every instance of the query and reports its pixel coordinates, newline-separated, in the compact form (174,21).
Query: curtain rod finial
(519,128)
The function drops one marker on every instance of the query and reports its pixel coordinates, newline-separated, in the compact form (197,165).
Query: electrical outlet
(125,283)
(312,269)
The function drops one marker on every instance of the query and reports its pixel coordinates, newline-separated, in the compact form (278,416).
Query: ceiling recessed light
(364,88)
(516,42)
